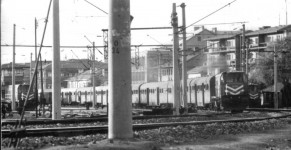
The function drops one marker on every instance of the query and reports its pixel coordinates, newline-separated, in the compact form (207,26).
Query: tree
(263,71)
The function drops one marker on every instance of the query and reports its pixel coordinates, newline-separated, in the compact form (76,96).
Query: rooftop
(270,30)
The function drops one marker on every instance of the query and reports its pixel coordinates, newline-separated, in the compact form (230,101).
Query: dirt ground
(279,139)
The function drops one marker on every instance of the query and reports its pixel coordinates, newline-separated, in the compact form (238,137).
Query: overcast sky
(78,18)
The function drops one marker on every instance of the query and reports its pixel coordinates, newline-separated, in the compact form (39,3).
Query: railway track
(268,110)
(75,131)
(101,119)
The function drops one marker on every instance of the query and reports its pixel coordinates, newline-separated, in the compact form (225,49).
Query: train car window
(206,87)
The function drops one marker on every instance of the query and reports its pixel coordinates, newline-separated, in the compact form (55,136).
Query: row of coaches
(225,91)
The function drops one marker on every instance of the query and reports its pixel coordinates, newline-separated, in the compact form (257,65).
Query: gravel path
(279,139)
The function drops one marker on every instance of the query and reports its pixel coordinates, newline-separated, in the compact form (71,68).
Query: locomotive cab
(233,91)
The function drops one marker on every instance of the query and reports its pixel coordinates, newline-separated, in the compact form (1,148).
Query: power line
(48,46)
(220,23)
(145,28)
(92,44)
(151,45)
(210,14)
(158,42)
(80,60)
(96,7)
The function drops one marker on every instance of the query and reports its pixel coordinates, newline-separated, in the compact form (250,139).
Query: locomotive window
(234,77)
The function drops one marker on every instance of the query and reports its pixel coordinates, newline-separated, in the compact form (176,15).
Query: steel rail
(268,109)
(75,131)
(102,118)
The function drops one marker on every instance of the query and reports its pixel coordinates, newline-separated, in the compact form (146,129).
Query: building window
(278,37)
(256,40)
(228,57)
(199,38)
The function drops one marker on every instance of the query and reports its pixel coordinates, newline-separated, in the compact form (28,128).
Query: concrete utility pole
(176,79)
(41,85)
(36,91)
(247,58)
(184,66)
(275,78)
(243,49)
(286,12)
(93,77)
(1,46)
(56,71)
(30,67)
(160,71)
(237,53)
(13,71)
(120,114)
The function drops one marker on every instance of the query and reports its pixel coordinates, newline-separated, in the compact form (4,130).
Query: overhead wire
(209,15)
(96,7)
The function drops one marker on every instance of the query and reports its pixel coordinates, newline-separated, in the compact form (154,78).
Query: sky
(80,22)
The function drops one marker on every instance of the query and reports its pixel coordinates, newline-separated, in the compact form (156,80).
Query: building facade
(225,51)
